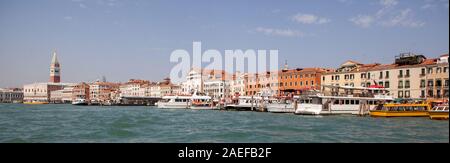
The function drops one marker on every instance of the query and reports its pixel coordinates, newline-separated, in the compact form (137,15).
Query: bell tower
(55,70)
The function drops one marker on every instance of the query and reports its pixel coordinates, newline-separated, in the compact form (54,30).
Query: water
(67,123)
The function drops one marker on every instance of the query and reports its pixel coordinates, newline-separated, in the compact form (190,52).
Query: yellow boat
(402,110)
(439,112)
(35,103)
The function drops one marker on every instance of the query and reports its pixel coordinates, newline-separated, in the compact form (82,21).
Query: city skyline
(130,39)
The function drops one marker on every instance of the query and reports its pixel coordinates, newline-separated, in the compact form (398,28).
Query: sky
(124,39)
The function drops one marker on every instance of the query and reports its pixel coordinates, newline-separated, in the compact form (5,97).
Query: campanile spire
(55,76)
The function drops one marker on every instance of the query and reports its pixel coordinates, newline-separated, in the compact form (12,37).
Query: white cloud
(364,21)
(388,3)
(309,19)
(405,19)
(389,16)
(279,32)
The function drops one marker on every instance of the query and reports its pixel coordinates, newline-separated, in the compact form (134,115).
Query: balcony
(400,76)
(407,76)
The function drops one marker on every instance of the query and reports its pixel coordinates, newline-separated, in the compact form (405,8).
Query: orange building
(296,81)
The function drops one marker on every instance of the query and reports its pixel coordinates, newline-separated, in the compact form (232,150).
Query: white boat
(327,105)
(281,106)
(245,103)
(200,101)
(174,102)
(361,104)
(80,102)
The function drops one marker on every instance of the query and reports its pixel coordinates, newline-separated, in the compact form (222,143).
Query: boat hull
(172,106)
(280,109)
(35,103)
(399,113)
(436,115)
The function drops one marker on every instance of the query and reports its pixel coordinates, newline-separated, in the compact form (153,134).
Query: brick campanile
(55,70)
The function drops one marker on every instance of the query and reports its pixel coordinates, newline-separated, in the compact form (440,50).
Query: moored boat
(174,102)
(439,112)
(35,102)
(282,105)
(200,101)
(80,102)
(420,109)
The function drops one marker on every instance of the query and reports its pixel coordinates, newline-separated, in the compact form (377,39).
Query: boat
(402,110)
(80,101)
(245,103)
(349,103)
(35,102)
(174,102)
(282,105)
(439,112)
(200,101)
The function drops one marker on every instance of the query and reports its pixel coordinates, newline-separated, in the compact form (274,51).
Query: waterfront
(67,123)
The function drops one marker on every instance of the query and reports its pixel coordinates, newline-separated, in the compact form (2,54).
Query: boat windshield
(406,108)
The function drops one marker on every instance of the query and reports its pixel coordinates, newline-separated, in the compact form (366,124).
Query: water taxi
(35,102)
(80,102)
(439,112)
(174,102)
(200,101)
(402,110)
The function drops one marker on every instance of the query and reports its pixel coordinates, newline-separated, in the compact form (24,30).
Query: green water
(67,123)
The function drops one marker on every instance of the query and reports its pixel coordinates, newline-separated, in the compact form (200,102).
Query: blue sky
(124,39)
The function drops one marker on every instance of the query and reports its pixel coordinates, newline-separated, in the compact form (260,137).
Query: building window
(363,85)
(368,75)
(386,84)
(400,94)
(400,84)
(438,70)
(381,75)
(438,83)
(422,83)
(430,83)
(407,73)
(422,73)
(363,75)
(387,75)
(332,77)
(380,83)
(445,69)
(407,84)
(430,70)
(352,76)
(301,83)
(422,94)
(323,78)
(407,94)
(446,83)
(312,83)
(400,73)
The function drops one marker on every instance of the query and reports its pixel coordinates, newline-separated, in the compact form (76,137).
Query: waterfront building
(81,91)
(62,96)
(155,90)
(435,79)
(410,76)
(14,95)
(133,88)
(238,83)
(100,91)
(40,92)
(296,81)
